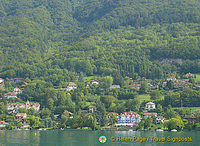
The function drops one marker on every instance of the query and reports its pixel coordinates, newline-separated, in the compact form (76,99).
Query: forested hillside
(45,38)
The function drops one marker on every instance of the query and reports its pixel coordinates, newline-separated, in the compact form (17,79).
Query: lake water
(91,138)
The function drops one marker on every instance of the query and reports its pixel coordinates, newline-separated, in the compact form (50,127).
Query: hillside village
(139,104)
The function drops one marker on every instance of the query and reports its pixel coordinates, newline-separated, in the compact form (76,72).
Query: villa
(150,106)
(128,119)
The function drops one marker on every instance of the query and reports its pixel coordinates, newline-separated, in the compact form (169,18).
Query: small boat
(44,129)
(26,129)
(130,130)
(159,130)
(174,130)
(40,129)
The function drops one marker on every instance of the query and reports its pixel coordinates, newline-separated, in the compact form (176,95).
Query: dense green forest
(40,38)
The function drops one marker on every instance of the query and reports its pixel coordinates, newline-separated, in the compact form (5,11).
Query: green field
(144,97)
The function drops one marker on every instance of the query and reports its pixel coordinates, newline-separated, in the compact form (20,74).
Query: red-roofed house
(2,86)
(149,115)
(21,115)
(36,106)
(1,80)
(3,124)
(135,86)
(171,78)
(10,95)
(15,106)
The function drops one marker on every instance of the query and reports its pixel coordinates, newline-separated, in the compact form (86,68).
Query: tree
(90,121)
(106,82)
(101,114)
(174,123)
(144,87)
(33,121)
(155,94)
(107,100)
(45,113)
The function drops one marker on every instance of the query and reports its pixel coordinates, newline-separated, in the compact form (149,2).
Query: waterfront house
(128,119)
(2,86)
(21,115)
(149,115)
(1,80)
(160,119)
(10,95)
(3,124)
(150,106)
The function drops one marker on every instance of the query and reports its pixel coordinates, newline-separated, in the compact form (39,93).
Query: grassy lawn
(87,79)
(191,108)
(197,77)
(144,97)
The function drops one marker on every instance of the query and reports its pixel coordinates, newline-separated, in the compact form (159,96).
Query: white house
(92,109)
(160,119)
(150,106)
(17,91)
(71,86)
(171,78)
(128,119)
(114,87)
(1,80)
(94,82)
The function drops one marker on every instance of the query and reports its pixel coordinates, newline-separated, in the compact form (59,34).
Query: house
(71,86)
(135,86)
(24,84)
(21,115)
(71,115)
(16,80)
(92,109)
(15,106)
(17,91)
(2,87)
(10,95)
(171,78)
(1,80)
(149,115)
(3,124)
(94,82)
(127,119)
(114,87)
(35,106)
(160,119)
(150,106)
